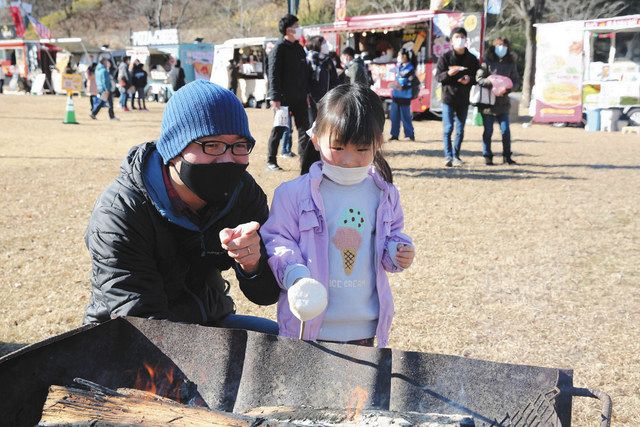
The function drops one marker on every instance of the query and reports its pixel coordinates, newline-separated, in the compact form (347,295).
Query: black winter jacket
(455,93)
(146,265)
(289,73)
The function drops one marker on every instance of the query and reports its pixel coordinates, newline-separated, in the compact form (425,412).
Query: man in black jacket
(289,76)
(456,70)
(183,210)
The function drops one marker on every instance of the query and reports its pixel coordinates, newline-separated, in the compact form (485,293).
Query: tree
(530,12)
(586,9)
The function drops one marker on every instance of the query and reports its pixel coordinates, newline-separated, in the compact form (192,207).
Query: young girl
(341,225)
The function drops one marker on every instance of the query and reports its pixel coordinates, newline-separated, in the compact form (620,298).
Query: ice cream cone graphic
(347,238)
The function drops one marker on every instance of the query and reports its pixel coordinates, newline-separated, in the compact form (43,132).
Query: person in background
(289,76)
(176,78)
(498,61)
(358,232)
(456,71)
(323,72)
(232,75)
(92,87)
(2,75)
(182,211)
(401,96)
(104,83)
(139,80)
(124,82)
(354,67)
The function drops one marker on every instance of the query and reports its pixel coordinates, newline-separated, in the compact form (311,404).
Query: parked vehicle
(426,32)
(250,55)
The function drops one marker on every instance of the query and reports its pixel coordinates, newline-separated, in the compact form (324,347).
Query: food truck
(426,32)
(22,60)
(249,54)
(590,67)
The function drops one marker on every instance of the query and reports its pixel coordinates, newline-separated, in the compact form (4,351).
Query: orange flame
(153,380)
(357,400)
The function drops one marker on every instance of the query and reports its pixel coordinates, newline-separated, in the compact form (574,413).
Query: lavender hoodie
(296,233)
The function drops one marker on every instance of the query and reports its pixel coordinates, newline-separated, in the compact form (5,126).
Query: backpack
(415,87)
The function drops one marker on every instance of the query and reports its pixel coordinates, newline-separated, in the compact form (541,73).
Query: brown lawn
(533,264)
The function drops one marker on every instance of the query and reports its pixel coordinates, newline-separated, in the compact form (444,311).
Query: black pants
(300,113)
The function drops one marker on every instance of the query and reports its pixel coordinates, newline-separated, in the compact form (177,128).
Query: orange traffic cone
(70,117)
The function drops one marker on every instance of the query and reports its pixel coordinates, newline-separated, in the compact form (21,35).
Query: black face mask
(212,182)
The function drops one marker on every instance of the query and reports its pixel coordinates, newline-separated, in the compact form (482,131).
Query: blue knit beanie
(199,109)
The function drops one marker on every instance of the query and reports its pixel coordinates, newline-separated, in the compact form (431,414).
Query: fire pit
(238,371)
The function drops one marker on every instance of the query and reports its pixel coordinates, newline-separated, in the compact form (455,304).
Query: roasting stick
(307,299)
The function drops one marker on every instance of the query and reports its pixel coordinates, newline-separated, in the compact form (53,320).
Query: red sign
(341,10)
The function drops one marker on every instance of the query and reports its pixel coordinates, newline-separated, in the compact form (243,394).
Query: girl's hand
(405,255)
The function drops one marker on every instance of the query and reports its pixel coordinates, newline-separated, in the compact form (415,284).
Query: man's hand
(405,255)
(243,245)
(276,104)
(464,80)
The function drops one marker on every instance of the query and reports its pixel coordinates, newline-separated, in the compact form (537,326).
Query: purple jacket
(296,233)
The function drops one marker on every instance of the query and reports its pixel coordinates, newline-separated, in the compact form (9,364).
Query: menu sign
(558,90)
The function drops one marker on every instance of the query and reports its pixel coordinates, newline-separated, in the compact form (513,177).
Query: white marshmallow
(307,298)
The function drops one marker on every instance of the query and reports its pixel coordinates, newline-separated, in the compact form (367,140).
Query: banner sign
(558,89)
(202,62)
(155,38)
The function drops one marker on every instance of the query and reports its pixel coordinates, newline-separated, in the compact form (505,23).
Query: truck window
(628,47)
(602,47)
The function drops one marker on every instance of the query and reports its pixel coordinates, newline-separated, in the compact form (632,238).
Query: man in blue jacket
(105,87)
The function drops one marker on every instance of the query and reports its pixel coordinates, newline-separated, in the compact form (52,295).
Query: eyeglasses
(218,148)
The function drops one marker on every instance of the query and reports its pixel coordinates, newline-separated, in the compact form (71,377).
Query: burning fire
(357,400)
(156,381)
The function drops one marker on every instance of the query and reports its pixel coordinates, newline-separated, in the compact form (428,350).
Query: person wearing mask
(456,71)
(323,72)
(401,96)
(124,82)
(498,61)
(104,83)
(289,75)
(183,210)
(354,67)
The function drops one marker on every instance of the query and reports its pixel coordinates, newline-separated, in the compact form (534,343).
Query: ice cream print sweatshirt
(301,237)
(353,307)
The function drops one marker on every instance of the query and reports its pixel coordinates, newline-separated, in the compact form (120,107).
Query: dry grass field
(531,264)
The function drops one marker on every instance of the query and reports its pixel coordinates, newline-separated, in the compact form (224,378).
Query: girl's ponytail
(382,167)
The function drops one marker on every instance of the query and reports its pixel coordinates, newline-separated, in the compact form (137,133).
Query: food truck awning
(618,23)
(72,44)
(385,21)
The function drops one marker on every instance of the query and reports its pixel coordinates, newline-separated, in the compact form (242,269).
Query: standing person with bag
(92,87)
(402,94)
(105,88)
(456,71)
(498,61)
(289,76)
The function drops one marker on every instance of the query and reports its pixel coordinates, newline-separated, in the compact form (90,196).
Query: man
(456,70)
(232,75)
(354,67)
(104,86)
(289,76)
(176,77)
(124,82)
(183,210)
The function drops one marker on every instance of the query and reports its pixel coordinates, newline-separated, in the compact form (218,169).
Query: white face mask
(345,176)
(324,49)
(459,43)
(298,33)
